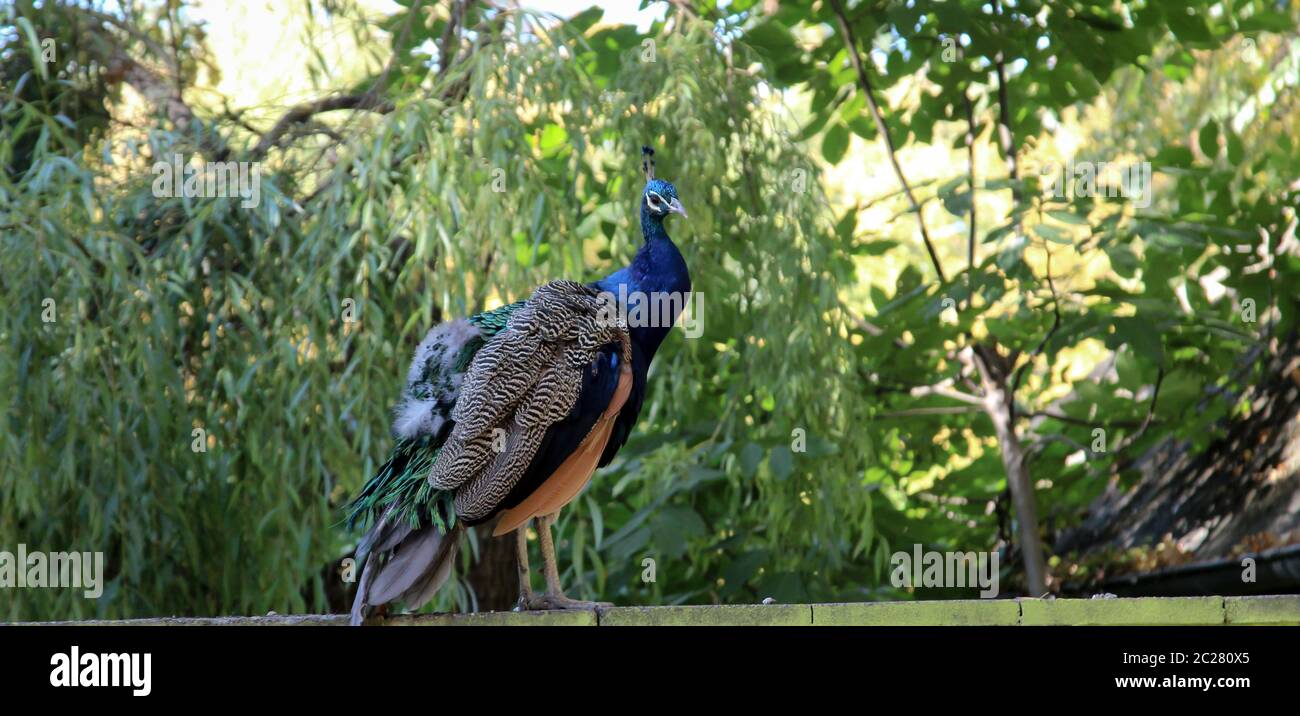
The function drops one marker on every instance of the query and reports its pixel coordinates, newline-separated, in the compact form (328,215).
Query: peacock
(506,415)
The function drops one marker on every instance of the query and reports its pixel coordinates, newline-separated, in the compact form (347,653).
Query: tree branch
(868,327)
(1056,323)
(1005,136)
(1151,413)
(1030,415)
(941,410)
(1041,442)
(129,28)
(161,93)
(970,157)
(864,82)
(307,110)
(944,389)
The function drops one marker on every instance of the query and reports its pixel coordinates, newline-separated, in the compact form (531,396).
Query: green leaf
(1267,21)
(781,462)
(1140,336)
(1122,259)
(957,203)
(771,38)
(553,137)
(1189,25)
(847,223)
(1208,139)
(33,46)
(743,568)
(1174,155)
(585,19)
(1068,217)
(1051,233)
(875,248)
(835,143)
(1236,151)
(672,527)
(750,457)
(863,127)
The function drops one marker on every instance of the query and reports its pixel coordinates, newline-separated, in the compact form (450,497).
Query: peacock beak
(676,207)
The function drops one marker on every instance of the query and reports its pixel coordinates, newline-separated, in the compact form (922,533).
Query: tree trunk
(995,371)
(493,576)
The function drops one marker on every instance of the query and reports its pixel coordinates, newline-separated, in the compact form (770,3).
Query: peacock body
(506,414)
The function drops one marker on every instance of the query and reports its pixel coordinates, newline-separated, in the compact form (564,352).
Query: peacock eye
(654,201)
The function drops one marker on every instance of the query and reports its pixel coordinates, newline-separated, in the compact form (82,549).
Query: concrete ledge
(722,615)
(268,620)
(1142,611)
(558,619)
(971,612)
(1282,609)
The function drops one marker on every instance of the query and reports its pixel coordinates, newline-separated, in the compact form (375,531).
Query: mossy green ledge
(1142,611)
(967,612)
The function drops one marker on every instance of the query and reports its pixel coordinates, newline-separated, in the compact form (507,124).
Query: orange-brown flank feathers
(575,472)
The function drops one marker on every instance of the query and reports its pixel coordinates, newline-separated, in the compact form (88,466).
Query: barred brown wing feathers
(522,381)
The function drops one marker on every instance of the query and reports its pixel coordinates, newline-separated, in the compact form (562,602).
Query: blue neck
(658,267)
(652,225)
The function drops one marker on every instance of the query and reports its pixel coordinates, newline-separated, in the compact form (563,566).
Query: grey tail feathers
(406,564)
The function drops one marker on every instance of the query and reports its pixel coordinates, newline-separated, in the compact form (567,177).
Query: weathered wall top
(1145,611)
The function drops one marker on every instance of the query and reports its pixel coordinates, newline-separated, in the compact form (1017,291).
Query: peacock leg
(554,597)
(521,561)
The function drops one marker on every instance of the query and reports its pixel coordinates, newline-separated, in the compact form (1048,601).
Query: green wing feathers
(401,484)
(493,322)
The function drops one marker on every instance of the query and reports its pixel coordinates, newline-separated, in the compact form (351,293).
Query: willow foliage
(217,380)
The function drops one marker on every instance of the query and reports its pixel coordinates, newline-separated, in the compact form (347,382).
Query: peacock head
(661,199)
(660,196)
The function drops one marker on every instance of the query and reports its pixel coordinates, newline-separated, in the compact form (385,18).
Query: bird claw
(548,602)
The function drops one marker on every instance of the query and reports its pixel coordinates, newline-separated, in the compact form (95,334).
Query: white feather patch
(415,416)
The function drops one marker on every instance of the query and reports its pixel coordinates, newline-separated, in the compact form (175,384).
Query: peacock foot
(543,602)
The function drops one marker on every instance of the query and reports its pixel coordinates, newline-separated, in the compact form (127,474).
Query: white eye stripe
(654,199)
